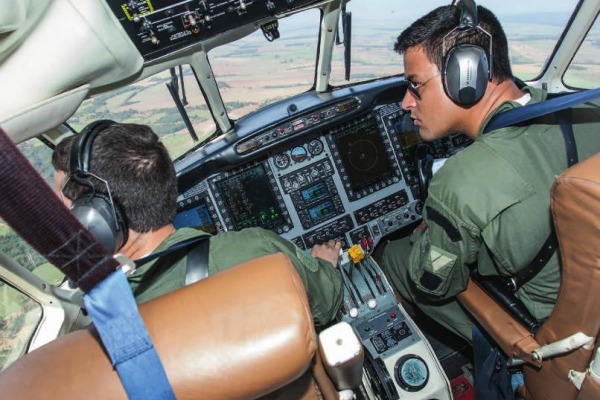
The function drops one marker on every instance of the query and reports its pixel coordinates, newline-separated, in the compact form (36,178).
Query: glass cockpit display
(198,216)
(363,154)
(250,201)
(365,158)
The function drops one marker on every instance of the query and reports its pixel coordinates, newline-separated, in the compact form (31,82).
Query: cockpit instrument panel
(348,174)
(159,27)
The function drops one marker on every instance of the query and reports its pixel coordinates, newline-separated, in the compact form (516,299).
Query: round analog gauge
(298,154)
(282,161)
(315,147)
(411,373)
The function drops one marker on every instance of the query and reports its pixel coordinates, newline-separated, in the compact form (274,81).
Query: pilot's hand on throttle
(329,251)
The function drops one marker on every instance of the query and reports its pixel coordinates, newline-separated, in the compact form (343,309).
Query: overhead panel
(159,27)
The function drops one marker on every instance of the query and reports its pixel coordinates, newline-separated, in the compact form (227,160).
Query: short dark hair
(429,31)
(60,162)
(139,173)
(60,155)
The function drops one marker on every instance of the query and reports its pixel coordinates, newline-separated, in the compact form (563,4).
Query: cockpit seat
(244,333)
(575,206)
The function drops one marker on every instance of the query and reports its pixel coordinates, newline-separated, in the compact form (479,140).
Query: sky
(403,12)
(497,6)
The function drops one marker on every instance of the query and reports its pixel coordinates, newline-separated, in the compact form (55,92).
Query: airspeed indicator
(282,161)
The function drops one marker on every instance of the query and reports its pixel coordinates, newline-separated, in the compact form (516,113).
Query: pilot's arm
(321,280)
(442,248)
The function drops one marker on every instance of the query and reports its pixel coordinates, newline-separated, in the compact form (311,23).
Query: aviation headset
(466,69)
(96,211)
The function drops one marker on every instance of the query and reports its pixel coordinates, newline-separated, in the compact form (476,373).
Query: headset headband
(468,15)
(468,20)
(81,149)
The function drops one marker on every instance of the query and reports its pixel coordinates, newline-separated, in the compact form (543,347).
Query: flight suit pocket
(434,275)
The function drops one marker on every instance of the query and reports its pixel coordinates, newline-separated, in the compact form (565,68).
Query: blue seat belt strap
(114,311)
(527,112)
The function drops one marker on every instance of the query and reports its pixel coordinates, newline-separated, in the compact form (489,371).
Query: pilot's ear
(60,177)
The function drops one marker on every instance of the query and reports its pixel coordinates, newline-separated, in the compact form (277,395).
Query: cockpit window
(19,318)
(11,244)
(584,71)
(376,24)
(149,102)
(253,72)
(533,29)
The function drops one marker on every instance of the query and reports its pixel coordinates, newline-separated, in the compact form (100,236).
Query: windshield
(254,72)
(149,102)
(376,25)
(584,71)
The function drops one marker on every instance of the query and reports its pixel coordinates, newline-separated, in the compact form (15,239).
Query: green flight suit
(489,206)
(321,280)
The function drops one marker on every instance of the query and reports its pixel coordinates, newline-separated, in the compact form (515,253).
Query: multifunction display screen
(315,193)
(322,212)
(250,201)
(363,154)
(196,217)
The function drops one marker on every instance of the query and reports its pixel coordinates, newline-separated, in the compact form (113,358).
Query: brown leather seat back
(239,334)
(576,210)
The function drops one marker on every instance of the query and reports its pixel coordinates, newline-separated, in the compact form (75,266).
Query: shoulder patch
(440,258)
(435,273)
(437,217)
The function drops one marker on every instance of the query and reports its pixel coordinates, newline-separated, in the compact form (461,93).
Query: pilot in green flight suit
(322,282)
(488,205)
(142,181)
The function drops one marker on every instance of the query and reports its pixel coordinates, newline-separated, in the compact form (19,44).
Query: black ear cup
(95,210)
(466,70)
(465,74)
(102,218)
